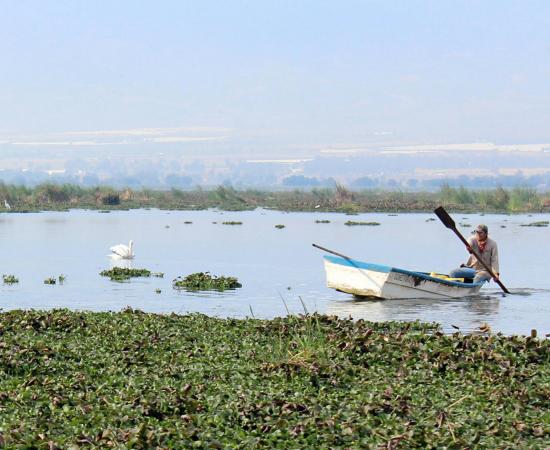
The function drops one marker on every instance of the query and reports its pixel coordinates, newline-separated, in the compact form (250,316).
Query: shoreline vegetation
(136,380)
(59,197)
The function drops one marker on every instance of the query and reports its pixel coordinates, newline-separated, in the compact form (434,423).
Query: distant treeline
(339,198)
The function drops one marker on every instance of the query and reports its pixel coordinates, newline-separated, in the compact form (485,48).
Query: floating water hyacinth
(542,223)
(203,281)
(279,226)
(322,221)
(50,280)
(352,223)
(10,279)
(232,223)
(123,274)
(137,380)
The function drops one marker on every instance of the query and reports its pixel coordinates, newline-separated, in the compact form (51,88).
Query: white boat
(375,280)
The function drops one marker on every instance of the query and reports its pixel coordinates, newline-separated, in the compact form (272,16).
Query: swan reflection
(116,261)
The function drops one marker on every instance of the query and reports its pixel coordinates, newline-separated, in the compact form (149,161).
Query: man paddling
(486,247)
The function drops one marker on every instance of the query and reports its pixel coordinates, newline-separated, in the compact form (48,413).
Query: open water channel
(278,268)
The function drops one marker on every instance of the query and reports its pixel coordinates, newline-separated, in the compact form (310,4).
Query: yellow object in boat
(446,277)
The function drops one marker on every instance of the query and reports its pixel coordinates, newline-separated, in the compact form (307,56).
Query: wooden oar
(450,223)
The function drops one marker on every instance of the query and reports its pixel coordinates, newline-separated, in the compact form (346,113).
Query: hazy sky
(294,72)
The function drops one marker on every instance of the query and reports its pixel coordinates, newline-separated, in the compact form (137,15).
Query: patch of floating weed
(61,278)
(352,223)
(158,291)
(542,223)
(430,219)
(123,274)
(187,222)
(136,380)
(157,274)
(10,279)
(203,281)
(322,221)
(50,280)
(279,226)
(232,223)
(465,225)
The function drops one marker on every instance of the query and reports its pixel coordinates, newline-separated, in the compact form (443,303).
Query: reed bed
(338,199)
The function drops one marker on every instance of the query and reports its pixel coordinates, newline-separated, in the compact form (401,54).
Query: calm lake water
(277,267)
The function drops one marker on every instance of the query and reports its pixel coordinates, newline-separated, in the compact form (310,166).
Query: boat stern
(354,277)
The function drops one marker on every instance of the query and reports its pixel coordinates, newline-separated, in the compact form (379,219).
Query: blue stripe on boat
(385,269)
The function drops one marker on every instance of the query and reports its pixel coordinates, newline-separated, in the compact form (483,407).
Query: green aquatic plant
(157,274)
(123,274)
(322,221)
(136,380)
(50,280)
(10,279)
(158,291)
(542,223)
(203,281)
(279,226)
(352,223)
(61,278)
(187,222)
(232,223)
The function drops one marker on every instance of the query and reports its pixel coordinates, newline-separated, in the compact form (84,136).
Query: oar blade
(444,217)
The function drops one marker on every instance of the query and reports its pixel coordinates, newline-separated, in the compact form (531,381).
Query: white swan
(123,251)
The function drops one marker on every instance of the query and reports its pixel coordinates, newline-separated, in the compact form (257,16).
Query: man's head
(482,231)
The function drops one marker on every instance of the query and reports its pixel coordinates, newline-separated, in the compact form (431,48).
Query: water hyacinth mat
(130,379)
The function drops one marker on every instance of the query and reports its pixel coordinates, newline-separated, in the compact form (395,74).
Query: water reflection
(116,261)
(466,313)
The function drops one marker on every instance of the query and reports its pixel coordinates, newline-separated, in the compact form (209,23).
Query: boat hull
(373,280)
